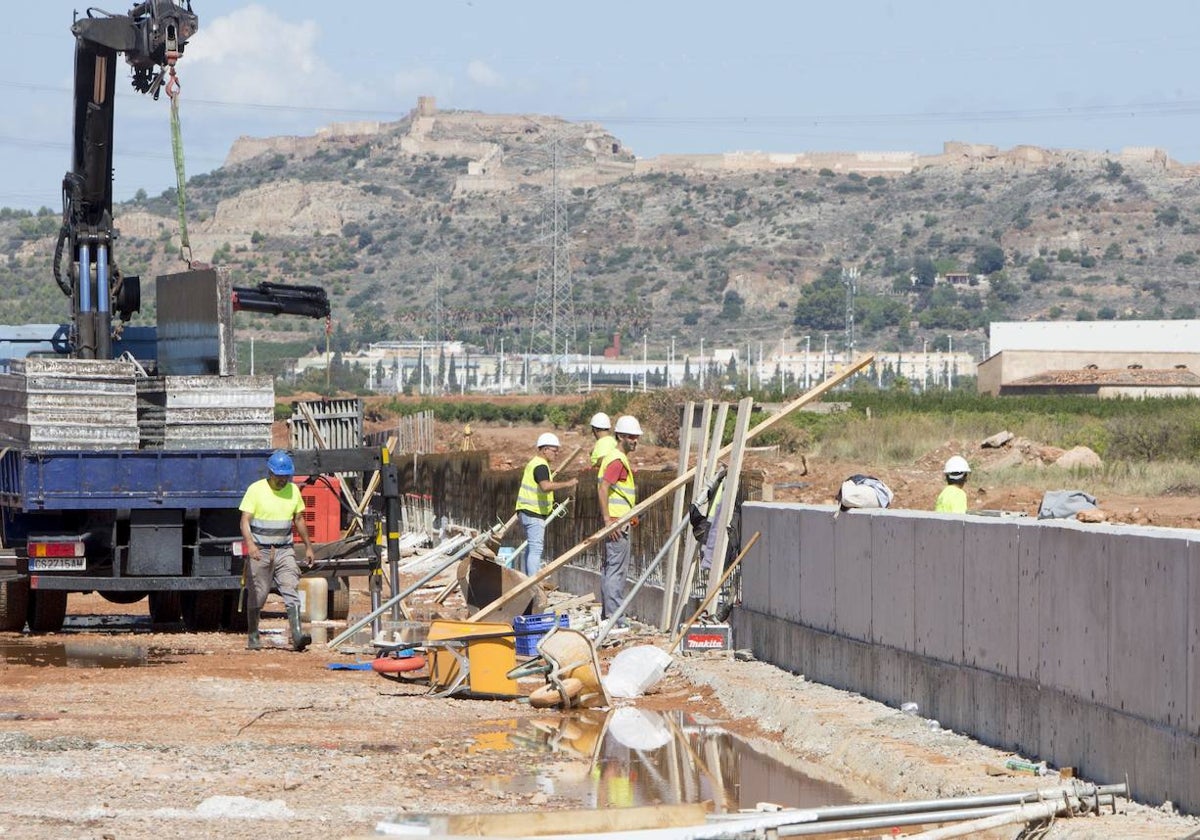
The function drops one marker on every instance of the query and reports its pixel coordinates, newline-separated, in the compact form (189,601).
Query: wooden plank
(724,513)
(702,479)
(580,821)
(670,571)
(566,557)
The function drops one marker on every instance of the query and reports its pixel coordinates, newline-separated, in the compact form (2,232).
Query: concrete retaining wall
(1079,645)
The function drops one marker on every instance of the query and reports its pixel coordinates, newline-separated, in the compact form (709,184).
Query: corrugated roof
(1171,378)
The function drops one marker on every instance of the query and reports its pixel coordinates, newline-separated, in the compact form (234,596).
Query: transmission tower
(553,316)
(850,281)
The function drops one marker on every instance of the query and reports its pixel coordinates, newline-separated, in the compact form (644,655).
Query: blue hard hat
(280,463)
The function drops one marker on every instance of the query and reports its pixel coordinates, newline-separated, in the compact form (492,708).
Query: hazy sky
(662,76)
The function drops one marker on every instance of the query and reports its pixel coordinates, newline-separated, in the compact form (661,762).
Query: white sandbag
(636,670)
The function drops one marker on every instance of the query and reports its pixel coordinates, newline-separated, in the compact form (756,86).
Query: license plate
(57,564)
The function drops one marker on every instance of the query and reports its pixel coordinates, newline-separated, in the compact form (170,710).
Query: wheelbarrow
(567,659)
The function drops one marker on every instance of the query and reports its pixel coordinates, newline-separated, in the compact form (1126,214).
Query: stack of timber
(205,412)
(54,403)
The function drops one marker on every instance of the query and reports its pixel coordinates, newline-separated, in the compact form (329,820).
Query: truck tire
(47,609)
(14,605)
(232,621)
(202,611)
(165,608)
(339,599)
(121,597)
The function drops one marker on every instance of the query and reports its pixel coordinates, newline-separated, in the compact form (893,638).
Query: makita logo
(708,640)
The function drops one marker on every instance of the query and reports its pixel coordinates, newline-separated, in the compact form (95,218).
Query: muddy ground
(201,738)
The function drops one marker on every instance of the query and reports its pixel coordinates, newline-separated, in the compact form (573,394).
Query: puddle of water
(78,655)
(633,757)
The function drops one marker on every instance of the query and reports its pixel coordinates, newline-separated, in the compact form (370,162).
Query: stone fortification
(506,151)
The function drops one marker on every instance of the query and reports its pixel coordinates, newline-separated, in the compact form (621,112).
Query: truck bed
(142,479)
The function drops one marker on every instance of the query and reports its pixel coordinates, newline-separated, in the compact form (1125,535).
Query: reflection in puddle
(636,757)
(78,655)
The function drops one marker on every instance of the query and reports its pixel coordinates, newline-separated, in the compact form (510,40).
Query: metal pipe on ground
(1010,812)
(1077,791)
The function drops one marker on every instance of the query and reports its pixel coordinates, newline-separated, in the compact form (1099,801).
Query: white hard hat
(548,439)
(600,421)
(956,467)
(628,425)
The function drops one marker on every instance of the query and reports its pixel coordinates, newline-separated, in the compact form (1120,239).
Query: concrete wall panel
(784,556)
(817,565)
(852,575)
(893,599)
(990,585)
(1193,642)
(1029,533)
(756,568)
(1074,616)
(938,581)
(1147,654)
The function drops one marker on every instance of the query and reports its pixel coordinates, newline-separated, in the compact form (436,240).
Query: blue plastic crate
(530,630)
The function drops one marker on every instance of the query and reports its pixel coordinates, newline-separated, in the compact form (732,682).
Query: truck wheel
(47,609)
(202,611)
(165,608)
(339,599)
(14,605)
(231,620)
(121,597)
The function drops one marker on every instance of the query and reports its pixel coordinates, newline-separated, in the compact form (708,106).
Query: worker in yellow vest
(953,498)
(618,495)
(535,499)
(605,442)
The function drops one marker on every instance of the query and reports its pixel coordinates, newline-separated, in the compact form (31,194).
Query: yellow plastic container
(488,659)
(314,599)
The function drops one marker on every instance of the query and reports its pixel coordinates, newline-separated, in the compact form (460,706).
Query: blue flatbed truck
(159,524)
(125,524)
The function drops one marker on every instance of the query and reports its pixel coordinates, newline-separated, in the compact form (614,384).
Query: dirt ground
(202,738)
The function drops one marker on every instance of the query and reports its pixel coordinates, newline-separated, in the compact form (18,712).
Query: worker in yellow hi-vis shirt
(271,508)
(953,498)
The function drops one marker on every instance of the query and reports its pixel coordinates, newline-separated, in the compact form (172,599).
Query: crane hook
(172,84)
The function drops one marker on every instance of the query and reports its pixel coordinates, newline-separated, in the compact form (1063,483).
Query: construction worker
(953,499)
(271,508)
(535,499)
(618,495)
(605,442)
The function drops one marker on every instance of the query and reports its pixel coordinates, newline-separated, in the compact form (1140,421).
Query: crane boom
(151,36)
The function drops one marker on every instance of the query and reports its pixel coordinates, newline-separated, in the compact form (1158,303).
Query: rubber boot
(300,639)
(253,642)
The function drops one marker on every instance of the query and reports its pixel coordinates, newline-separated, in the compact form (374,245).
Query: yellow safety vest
(531,497)
(600,451)
(952,499)
(622,496)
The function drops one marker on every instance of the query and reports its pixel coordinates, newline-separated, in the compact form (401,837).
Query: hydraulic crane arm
(282,299)
(152,37)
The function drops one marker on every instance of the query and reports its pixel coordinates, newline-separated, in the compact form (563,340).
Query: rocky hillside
(436,225)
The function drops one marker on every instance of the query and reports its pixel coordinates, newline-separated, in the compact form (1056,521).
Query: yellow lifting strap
(185,246)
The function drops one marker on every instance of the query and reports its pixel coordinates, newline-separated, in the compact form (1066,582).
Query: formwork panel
(756,569)
(990,586)
(852,575)
(938,583)
(1075,609)
(1028,599)
(817,564)
(893,543)
(1147,651)
(783,554)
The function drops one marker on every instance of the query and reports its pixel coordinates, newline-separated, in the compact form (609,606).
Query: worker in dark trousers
(618,495)
(271,508)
